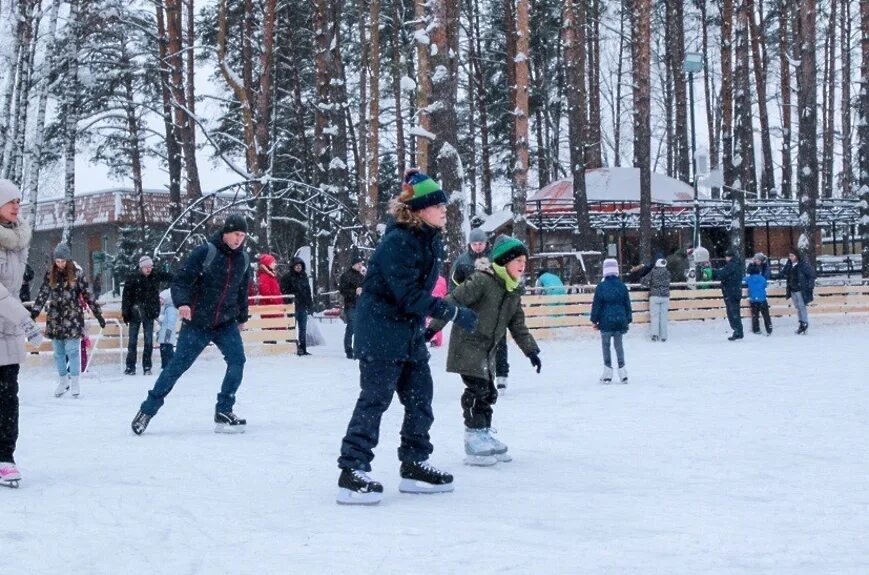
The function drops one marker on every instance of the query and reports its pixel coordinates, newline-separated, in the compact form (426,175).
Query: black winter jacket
(799,277)
(297,285)
(396,297)
(348,283)
(217,295)
(141,298)
(731,276)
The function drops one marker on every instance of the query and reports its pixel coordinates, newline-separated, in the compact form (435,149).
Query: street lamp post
(693,63)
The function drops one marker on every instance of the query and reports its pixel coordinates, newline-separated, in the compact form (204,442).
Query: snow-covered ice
(718,457)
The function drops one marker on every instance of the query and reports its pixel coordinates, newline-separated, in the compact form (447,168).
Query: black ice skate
(140,423)
(803,328)
(356,488)
(228,423)
(130,371)
(146,371)
(420,477)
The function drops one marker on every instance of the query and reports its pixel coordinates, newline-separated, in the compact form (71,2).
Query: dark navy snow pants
(734,314)
(379,381)
(191,342)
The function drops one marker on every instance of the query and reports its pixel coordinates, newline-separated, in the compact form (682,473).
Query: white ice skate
(623,375)
(499,447)
(9,474)
(479,450)
(62,385)
(73,386)
(607,375)
(501,383)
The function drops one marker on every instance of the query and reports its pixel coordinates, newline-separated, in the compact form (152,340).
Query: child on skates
(611,314)
(391,348)
(494,293)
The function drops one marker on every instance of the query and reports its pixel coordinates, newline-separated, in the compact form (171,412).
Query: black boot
(356,488)
(420,477)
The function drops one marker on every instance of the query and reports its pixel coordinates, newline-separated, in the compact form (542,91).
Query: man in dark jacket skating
(731,276)
(295,283)
(140,306)
(210,292)
(799,286)
(350,286)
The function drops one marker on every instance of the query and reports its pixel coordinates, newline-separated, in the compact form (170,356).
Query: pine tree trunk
(509,24)
(617,115)
(845,35)
(767,174)
(676,9)
(641,48)
(520,119)
(182,110)
(743,157)
(863,135)
(322,77)
(593,154)
(12,78)
(30,188)
(134,148)
(667,89)
(398,49)
(172,133)
(70,120)
(786,111)
(362,131)
(485,159)
(444,122)
(807,154)
(712,120)
(372,189)
(727,93)
(574,59)
(338,171)
(829,104)
(424,86)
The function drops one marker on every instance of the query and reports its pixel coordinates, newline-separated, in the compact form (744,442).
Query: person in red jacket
(266,289)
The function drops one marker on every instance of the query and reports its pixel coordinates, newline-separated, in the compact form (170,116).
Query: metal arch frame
(713,213)
(193,219)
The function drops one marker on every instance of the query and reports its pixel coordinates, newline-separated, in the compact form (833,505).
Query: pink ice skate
(9,474)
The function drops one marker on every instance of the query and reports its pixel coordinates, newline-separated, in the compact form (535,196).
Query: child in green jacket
(494,294)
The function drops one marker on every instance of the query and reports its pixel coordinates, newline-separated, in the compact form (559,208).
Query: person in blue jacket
(391,348)
(210,292)
(756,283)
(731,276)
(611,314)
(551,283)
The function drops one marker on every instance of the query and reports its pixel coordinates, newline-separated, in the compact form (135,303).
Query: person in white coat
(15,324)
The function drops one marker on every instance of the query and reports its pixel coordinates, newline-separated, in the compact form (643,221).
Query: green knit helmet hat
(507,248)
(419,191)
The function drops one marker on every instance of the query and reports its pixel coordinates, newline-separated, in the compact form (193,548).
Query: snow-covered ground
(718,457)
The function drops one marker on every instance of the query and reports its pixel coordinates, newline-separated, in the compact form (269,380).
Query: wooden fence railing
(549,315)
(271,329)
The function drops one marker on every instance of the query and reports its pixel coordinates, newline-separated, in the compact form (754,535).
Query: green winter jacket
(473,353)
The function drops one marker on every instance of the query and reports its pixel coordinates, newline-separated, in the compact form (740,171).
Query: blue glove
(466,319)
(535,361)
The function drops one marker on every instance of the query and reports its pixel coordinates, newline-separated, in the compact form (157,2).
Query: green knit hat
(507,248)
(420,191)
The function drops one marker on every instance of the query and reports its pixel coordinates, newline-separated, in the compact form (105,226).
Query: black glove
(466,319)
(34,313)
(429,333)
(125,319)
(101,320)
(535,361)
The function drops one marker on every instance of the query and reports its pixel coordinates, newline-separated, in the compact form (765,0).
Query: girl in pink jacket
(440,290)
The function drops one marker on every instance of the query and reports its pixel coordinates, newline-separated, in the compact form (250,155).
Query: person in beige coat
(15,324)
